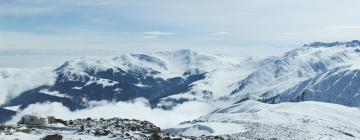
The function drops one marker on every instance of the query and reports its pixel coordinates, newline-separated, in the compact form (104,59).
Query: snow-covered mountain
(255,120)
(326,72)
(277,76)
(153,76)
(270,79)
(248,92)
(340,85)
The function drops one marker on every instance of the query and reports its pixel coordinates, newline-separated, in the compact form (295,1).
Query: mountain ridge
(170,78)
(354,43)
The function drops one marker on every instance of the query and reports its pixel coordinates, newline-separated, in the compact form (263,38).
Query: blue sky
(230,26)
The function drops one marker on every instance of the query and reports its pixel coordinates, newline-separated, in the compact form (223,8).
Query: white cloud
(15,81)
(137,110)
(343,27)
(250,22)
(221,33)
(157,33)
(124,44)
(15,10)
(150,37)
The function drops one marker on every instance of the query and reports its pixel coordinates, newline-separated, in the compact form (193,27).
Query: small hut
(33,120)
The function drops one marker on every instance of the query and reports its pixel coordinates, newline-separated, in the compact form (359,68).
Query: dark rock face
(6,115)
(354,43)
(113,128)
(35,96)
(127,129)
(76,89)
(118,128)
(53,137)
(7,130)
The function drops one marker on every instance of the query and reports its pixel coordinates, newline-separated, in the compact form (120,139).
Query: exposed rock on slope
(6,114)
(149,75)
(113,128)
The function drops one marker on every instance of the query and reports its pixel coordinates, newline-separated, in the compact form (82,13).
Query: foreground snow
(252,119)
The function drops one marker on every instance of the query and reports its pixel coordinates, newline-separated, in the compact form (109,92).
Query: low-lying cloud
(15,81)
(131,110)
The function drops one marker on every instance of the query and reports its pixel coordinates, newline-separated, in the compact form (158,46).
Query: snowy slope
(321,72)
(170,78)
(160,64)
(148,70)
(256,120)
(218,82)
(341,86)
(155,76)
(275,75)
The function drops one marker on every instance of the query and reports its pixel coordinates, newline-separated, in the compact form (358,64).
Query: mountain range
(326,74)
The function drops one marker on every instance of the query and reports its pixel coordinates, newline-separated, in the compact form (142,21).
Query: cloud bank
(15,81)
(137,110)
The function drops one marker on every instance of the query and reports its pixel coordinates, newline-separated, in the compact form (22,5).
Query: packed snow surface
(252,119)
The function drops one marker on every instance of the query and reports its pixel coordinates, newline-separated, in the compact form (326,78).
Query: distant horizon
(14,58)
(212,26)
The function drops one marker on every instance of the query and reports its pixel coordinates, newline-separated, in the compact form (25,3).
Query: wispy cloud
(157,33)
(13,82)
(221,33)
(150,37)
(240,22)
(343,27)
(24,10)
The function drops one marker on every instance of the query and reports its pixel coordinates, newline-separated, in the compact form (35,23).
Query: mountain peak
(184,52)
(354,43)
